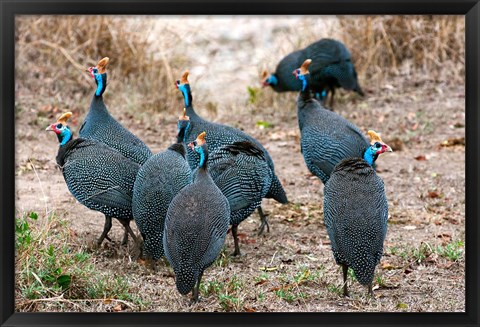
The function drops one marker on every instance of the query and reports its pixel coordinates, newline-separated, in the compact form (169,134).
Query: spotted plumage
(332,68)
(356,213)
(218,136)
(98,176)
(159,179)
(101,126)
(196,225)
(326,137)
(242,174)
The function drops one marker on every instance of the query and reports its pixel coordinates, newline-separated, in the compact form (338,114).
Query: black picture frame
(8,11)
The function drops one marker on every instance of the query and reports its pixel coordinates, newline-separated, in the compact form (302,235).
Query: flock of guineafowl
(213,176)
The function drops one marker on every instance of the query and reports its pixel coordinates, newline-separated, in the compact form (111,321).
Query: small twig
(64,52)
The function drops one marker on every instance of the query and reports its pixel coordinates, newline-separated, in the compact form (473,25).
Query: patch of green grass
(452,251)
(223,259)
(334,289)
(228,292)
(253,94)
(422,252)
(50,264)
(286,295)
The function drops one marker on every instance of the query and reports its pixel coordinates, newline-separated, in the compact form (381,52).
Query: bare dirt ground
(291,268)
(425,188)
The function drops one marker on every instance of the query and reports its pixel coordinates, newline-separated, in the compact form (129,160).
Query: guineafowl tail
(185,280)
(276,191)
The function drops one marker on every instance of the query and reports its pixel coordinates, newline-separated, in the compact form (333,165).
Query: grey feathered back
(331,67)
(219,135)
(195,229)
(242,174)
(158,180)
(356,213)
(98,177)
(326,137)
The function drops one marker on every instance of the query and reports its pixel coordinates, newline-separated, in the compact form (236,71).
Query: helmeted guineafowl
(356,213)
(98,176)
(219,135)
(242,174)
(332,68)
(101,126)
(326,137)
(196,225)
(159,179)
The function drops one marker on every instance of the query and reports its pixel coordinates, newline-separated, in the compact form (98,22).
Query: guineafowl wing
(98,176)
(241,172)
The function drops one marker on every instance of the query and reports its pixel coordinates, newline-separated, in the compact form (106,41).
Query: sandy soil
(425,185)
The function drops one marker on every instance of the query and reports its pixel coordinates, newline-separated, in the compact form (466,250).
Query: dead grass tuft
(54,51)
(383,46)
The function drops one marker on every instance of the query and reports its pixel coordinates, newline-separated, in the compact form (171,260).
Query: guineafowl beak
(49,128)
(191,146)
(386,148)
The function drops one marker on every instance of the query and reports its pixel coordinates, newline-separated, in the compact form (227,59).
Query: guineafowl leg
(370,290)
(106,229)
(345,271)
(196,288)
(332,95)
(128,230)
(235,240)
(263,218)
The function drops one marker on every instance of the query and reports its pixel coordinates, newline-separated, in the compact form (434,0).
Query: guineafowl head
(183,126)
(376,148)
(200,147)
(64,134)
(269,80)
(184,86)
(99,74)
(302,74)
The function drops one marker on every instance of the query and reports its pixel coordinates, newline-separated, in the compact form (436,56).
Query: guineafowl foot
(106,229)
(235,241)
(370,291)
(128,230)
(345,286)
(263,218)
(125,238)
(195,290)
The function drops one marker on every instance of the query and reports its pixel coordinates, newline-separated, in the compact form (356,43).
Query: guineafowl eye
(59,126)
(377,145)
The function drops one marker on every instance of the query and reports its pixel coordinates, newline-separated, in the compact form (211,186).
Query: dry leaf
(107,301)
(421,158)
(453,141)
(433,194)
(387,266)
(117,308)
(248,309)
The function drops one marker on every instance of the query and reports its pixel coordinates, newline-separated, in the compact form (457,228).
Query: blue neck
(370,156)
(187,95)
(65,136)
(202,157)
(203,153)
(272,80)
(182,132)
(303,78)
(101,83)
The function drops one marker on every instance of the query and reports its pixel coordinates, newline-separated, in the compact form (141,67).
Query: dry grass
(54,51)
(383,46)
